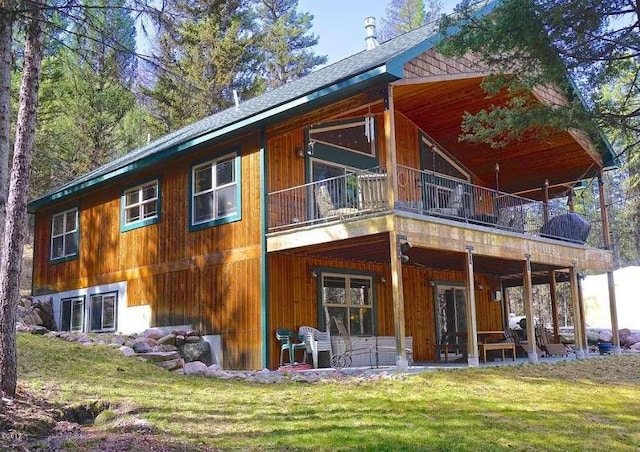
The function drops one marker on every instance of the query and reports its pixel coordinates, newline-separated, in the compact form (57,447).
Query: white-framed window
(103,311)
(141,205)
(214,190)
(64,234)
(353,135)
(349,297)
(72,314)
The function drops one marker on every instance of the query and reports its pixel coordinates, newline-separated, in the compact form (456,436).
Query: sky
(340,23)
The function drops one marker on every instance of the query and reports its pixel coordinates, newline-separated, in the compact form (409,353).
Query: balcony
(429,195)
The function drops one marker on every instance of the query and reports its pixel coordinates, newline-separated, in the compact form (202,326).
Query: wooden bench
(502,346)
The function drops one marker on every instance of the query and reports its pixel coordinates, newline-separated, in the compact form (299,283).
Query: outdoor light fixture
(314,273)
(300,151)
(403,247)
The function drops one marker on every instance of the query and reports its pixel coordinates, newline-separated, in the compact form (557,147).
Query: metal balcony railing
(430,194)
(354,194)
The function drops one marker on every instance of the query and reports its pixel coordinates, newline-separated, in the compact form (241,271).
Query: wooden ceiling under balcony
(437,106)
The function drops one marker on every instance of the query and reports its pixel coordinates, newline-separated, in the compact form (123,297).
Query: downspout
(264,261)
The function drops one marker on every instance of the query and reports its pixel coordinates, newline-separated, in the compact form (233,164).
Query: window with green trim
(103,312)
(140,205)
(349,297)
(64,234)
(72,314)
(214,190)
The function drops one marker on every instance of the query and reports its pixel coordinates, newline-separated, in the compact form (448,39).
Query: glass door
(451,316)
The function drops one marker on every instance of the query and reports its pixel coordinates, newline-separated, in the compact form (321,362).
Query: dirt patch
(31,423)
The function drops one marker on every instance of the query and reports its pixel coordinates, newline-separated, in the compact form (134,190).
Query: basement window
(103,312)
(64,235)
(141,206)
(72,314)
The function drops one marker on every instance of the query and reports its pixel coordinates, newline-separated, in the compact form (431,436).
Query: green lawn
(586,405)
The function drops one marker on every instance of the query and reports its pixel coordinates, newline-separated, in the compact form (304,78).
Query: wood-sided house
(344,192)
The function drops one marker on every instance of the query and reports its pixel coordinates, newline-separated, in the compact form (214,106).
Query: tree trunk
(6,21)
(13,239)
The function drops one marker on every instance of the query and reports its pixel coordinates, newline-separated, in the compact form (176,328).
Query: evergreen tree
(286,43)
(406,15)
(206,49)
(86,96)
(534,42)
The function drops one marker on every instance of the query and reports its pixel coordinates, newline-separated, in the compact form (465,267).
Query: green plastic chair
(290,342)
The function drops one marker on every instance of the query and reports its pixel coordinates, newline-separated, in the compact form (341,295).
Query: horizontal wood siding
(293,299)
(209,278)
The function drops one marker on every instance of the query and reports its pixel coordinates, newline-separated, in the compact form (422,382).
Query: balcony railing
(354,194)
(431,194)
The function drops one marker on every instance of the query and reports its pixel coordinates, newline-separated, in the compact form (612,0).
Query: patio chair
(316,341)
(447,344)
(325,204)
(455,204)
(290,341)
(523,346)
(548,345)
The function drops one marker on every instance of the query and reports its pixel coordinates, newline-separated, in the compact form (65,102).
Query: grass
(580,405)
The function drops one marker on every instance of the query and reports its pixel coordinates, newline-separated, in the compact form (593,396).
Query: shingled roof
(363,68)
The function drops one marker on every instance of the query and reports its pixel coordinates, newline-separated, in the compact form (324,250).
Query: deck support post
(553,292)
(390,140)
(577,321)
(527,287)
(395,242)
(606,240)
(472,328)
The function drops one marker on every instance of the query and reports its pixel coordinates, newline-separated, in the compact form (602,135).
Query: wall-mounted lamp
(300,151)
(480,286)
(432,283)
(382,279)
(314,273)
(403,247)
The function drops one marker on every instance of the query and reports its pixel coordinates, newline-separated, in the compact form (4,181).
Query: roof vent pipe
(370,28)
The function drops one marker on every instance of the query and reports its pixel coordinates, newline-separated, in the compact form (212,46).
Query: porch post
(507,305)
(553,291)
(606,240)
(398,299)
(472,329)
(390,140)
(583,322)
(575,302)
(527,287)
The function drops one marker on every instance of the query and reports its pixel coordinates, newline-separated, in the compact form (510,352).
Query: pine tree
(286,43)
(406,15)
(206,50)
(533,42)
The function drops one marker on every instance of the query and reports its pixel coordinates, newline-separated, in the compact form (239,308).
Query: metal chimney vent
(370,28)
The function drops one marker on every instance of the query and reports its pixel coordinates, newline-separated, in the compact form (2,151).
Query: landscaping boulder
(142,347)
(635,346)
(153,333)
(44,309)
(127,351)
(195,368)
(156,357)
(118,339)
(171,364)
(169,339)
(605,336)
(38,330)
(630,340)
(200,351)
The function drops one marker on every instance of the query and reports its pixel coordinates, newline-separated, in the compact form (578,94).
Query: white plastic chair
(316,341)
